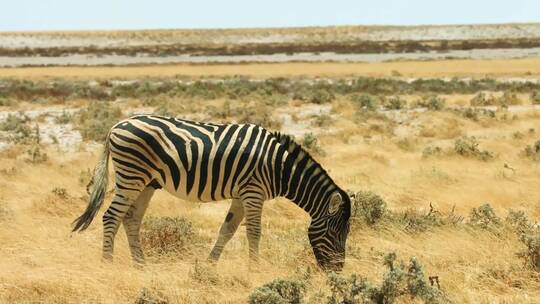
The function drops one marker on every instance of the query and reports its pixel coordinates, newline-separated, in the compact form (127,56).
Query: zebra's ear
(351,194)
(335,203)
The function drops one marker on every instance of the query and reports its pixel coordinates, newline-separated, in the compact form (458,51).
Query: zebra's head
(328,232)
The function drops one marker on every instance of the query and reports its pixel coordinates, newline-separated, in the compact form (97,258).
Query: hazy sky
(137,14)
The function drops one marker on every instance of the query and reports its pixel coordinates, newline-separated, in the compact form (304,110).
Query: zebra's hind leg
(228,228)
(121,203)
(132,224)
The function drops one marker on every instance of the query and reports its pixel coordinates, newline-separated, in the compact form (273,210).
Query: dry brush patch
(417,199)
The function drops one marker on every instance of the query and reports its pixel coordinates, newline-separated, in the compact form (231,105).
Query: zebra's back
(192,160)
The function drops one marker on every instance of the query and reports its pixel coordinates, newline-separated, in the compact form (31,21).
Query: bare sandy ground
(92,60)
(528,68)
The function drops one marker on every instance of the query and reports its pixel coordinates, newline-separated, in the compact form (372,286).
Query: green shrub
(399,281)
(19,131)
(406,144)
(519,221)
(14,122)
(151,296)
(533,151)
(433,103)
(63,118)
(167,235)
(431,151)
(394,103)
(531,254)
(365,102)
(354,289)
(311,143)
(279,291)
(368,206)
(6,102)
(261,116)
(322,120)
(535,97)
(468,147)
(321,96)
(481,100)
(95,121)
(529,235)
(508,98)
(484,217)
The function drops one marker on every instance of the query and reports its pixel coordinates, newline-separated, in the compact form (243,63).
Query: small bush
(261,116)
(531,254)
(322,120)
(63,118)
(35,155)
(365,102)
(150,296)
(468,147)
(519,221)
(432,151)
(348,290)
(14,122)
(311,143)
(96,120)
(167,235)
(484,217)
(399,281)
(406,144)
(6,102)
(279,291)
(481,100)
(368,206)
(535,97)
(321,96)
(394,103)
(533,151)
(433,103)
(508,98)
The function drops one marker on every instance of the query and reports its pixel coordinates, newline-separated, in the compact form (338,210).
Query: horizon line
(373,25)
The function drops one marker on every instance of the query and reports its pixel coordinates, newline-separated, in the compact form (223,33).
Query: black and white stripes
(207,162)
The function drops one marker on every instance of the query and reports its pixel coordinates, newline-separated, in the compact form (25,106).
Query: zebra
(205,162)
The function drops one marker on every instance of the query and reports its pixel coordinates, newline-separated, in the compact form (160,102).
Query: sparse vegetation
(432,151)
(413,158)
(96,120)
(533,151)
(394,103)
(167,235)
(279,291)
(399,281)
(468,147)
(433,103)
(484,217)
(311,143)
(368,206)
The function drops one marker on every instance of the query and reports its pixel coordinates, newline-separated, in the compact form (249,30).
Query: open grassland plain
(446,172)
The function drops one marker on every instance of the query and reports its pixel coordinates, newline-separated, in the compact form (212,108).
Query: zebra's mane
(288,142)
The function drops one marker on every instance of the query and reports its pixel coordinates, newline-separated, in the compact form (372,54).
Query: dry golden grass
(436,68)
(43,262)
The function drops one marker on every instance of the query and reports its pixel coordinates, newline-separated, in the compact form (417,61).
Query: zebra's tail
(97,195)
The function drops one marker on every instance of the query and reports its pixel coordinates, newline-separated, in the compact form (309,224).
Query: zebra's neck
(303,180)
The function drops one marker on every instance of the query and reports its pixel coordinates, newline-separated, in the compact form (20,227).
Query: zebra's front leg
(228,228)
(253,213)
(112,218)
(132,224)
